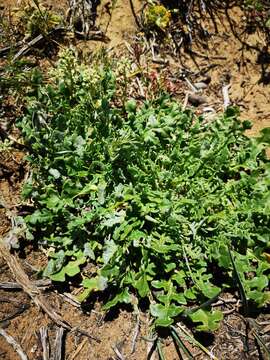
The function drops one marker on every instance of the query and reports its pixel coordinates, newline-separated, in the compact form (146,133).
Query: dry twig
(78,350)
(70,299)
(58,344)
(43,283)
(118,353)
(32,290)
(43,332)
(16,346)
(135,336)
(35,41)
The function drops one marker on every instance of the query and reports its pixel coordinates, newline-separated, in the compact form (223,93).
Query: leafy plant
(157,16)
(35,19)
(158,200)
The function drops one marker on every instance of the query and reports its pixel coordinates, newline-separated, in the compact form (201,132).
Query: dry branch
(26,48)
(16,346)
(58,344)
(8,285)
(43,332)
(32,290)
(135,336)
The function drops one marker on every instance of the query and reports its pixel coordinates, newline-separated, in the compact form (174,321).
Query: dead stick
(135,336)
(28,46)
(15,286)
(43,332)
(118,353)
(32,290)
(58,344)
(6,49)
(78,350)
(35,41)
(16,346)
(134,14)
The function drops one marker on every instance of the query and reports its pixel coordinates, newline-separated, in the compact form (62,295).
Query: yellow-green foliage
(158,15)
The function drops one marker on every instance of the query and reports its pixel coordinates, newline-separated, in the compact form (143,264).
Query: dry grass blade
(10,286)
(260,341)
(18,312)
(29,287)
(26,48)
(151,350)
(17,347)
(4,51)
(15,286)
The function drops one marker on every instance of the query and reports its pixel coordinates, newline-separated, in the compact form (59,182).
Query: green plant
(34,19)
(162,203)
(5,145)
(157,16)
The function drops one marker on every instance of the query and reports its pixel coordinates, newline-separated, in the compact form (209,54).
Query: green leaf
(179,298)
(208,290)
(55,264)
(179,277)
(259,297)
(59,276)
(130,106)
(142,285)
(151,195)
(98,283)
(161,284)
(164,314)
(109,250)
(264,136)
(55,173)
(209,320)
(122,297)
(190,294)
(72,268)
(116,218)
(88,189)
(53,202)
(88,251)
